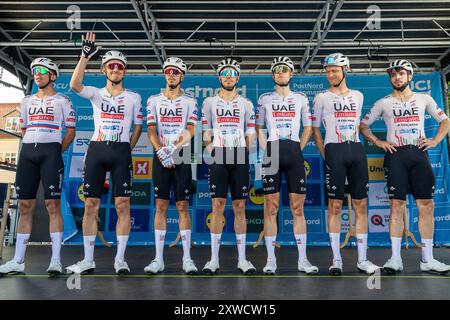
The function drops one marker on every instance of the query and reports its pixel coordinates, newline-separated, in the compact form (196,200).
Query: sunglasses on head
(329,60)
(281,69)
(40,70)
(114,65)
(172,72)
(228,73)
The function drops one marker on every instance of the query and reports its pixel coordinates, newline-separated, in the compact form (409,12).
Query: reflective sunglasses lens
(281,69)
(228,73)
(172,71)
(40,70)
(119,66)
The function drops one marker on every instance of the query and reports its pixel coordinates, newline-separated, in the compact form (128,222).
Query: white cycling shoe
(367,267)
(393,265)
(336,267)
(434,266)
(271,267)
(246,267)
(189,266)
(12,267)
(55,268)
(121,267)
(81,267)
(211,267)
(155,267)
(306,267)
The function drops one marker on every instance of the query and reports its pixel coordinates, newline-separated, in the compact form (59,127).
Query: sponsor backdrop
(142,199)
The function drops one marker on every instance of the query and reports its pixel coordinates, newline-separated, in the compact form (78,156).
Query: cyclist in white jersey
(43,116)
(228,121)
(406,162)
(115,110)
(282,112)
(339,109)
(171,120)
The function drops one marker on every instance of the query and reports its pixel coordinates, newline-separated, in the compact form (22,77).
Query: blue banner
(373,87)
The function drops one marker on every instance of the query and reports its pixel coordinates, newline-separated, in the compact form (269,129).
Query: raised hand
(88,48)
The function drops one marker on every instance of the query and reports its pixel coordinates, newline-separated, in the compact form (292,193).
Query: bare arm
(306,135)
(137,130)
(68,138)
(262,138)
(185,136)
(153,136)
(249,139)
(318,140)
(207,137)
(367,133)
(76,83)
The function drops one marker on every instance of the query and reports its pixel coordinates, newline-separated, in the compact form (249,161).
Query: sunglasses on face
(40,70)
(172,72)
(114,65)
(229,73)
(281,69)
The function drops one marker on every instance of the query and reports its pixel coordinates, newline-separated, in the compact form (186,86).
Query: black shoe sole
(391,271)
(54,273)
(123,272)
(269,273)
(11,273)
(445,273)
(308,273)
(250,271)
(210,272)
(335,272)
(362,271)
(152,273)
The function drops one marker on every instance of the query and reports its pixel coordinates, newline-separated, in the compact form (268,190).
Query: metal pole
(147,32)
(322,37)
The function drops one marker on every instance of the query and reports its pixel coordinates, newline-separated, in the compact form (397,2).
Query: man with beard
(229,128)
(283,111)
(339,109)
(43,116)
(171,121)
(115,109)
(406,162)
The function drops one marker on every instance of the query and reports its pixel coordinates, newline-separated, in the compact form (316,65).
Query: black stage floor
(229,283)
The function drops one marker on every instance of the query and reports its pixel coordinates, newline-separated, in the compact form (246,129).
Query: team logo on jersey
(405,115)
(41,113)
(171,115)
(225,116)
(282,111)
(344,111)
(112,112)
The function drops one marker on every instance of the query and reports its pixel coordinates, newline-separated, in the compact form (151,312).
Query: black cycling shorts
(346,160)
(288,159)
(409,167)
(230,169)
(104,156)
(40,161)
(179,179)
